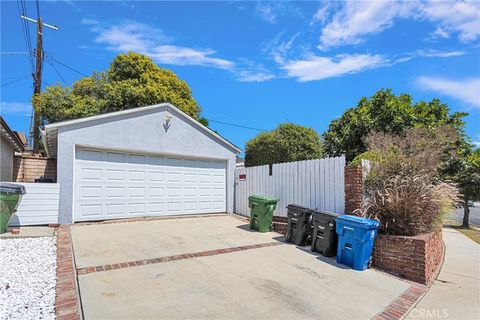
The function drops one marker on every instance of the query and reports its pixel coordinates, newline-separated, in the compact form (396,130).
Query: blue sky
(258,64)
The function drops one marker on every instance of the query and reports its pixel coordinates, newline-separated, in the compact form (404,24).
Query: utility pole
(37,77)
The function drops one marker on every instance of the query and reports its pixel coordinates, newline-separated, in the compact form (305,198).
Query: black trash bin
(299,227)
(324,237)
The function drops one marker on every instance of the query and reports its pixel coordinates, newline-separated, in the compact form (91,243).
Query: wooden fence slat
(315,183)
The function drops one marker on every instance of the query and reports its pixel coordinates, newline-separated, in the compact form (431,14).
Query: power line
(14,81)
(13,52)
(51,64)
(236,125)
(39,58)
(26,33)
(38,10)
(68,67)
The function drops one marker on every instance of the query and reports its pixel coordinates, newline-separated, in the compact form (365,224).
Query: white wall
(141,132)
(6,160)
(39,206)
(317,184)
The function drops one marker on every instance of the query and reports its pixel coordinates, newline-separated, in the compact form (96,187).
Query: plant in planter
(407,195)
(403,186)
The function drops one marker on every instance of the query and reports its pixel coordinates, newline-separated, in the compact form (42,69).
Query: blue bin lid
(359,221)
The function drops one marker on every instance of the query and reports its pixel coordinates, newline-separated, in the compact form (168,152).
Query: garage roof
(49,134)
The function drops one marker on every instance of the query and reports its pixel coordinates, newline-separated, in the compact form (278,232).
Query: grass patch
(473,232)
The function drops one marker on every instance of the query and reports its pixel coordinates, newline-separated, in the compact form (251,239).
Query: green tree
(388,113)
(288,142)
(132,80)
(468,181)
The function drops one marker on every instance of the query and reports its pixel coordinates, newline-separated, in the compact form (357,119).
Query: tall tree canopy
(132,80)
(288,142)
(388,113)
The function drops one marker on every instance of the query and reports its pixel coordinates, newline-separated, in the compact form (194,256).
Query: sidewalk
(456,292)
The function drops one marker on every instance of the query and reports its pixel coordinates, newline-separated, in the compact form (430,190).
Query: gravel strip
(27,278)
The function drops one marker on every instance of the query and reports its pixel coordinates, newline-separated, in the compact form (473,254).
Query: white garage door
(112,185)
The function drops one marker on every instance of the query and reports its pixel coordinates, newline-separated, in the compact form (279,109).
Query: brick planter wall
(27,168)
(353,188)
(280,227)
(415,258)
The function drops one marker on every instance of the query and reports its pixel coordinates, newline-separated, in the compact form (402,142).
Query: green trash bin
(10,196)
(261,212)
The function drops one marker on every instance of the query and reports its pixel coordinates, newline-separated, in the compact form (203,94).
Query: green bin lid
(12,188)
(263,199)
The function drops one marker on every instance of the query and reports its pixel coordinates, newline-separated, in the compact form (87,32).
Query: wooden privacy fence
(317,184)
(38,206)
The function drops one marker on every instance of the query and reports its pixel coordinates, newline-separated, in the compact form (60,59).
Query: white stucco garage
(147,161)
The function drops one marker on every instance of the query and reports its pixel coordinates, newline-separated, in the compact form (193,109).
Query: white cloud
(439,33)
(266,12)
(15,107)
(441,54)
(318,68)
(357,19)
(142,38)
(466,90)
(279,49)
(323,13)
(253,72)
(89,21)
(271,11)
(462,17)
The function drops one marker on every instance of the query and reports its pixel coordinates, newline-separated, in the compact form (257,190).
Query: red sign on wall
(242,177)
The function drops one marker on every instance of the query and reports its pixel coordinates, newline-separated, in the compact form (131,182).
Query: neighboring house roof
(11,136)
(49,134)
(22,136)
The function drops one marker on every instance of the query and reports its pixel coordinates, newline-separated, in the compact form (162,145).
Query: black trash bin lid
(11,188)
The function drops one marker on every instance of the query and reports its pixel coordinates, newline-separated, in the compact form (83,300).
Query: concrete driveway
(214,267)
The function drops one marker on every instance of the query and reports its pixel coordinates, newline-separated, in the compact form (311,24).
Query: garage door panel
(137,192)
(89,192)
(136,208)
(115,209)
(156,192)
(137,175)
(91,210)
(157,208)
(218,204)
(119,185)
(115,192)
(157,176)
(115,174)
(174,206)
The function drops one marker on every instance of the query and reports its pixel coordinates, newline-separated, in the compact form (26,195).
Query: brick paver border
(67,299)
(129,264)
(400,307)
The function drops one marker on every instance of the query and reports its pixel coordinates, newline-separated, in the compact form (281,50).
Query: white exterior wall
(316,184)
(6,160)
(141,132)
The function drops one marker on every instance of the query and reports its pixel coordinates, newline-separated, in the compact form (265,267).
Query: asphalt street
(457,214)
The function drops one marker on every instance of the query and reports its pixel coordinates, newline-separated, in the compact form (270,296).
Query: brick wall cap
(423,236)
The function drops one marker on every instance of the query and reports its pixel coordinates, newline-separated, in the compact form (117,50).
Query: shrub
(404,191)
(410,204)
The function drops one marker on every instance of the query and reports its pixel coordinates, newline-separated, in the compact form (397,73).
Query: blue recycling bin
(355,241)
